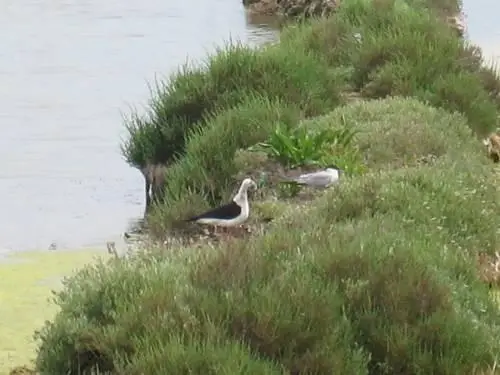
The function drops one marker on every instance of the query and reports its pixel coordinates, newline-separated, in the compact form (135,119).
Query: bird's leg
(224,232)
(148,197)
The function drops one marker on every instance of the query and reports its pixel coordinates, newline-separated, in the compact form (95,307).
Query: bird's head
(333,167)
(241,196)
(248,183)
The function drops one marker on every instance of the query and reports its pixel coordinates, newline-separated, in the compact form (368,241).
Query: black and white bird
(319,179)
(229,215)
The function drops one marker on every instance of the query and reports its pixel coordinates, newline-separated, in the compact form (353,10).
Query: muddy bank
(292,8)
(316,8)
(25,289)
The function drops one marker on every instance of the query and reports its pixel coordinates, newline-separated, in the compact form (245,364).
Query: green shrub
(151,332)
(404,61)
(203,357)
(402,306)
(441,8)
(397,132)
(93,302)
(300,146)
(463,92)
(230,75)
(331,38)
(205,174)
(284,312)
(404,51)
(173,107)
(461,210)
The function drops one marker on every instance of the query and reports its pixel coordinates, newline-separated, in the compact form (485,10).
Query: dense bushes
(374,277)
(390,133)
(404,51)
(230,75)
(397,133)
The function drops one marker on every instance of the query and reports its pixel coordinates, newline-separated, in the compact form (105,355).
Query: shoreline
(94,245)
(92,242)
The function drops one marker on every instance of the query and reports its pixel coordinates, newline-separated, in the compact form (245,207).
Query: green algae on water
(26,282)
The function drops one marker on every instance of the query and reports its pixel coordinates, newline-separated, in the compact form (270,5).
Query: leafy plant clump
(308,147)
(299,146)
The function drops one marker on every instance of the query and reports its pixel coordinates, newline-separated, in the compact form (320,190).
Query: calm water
(483,26)
(69,69)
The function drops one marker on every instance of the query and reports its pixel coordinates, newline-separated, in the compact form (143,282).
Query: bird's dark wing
(228,211)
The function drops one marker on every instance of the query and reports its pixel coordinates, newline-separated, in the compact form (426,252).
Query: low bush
(333,38)
(391,49)
(443,8)
(230,75)
(397,132)
(463,92)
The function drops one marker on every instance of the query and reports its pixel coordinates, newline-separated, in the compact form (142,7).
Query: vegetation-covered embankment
(378,275)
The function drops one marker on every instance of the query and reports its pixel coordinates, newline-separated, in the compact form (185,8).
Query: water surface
(69,70)
(483,27)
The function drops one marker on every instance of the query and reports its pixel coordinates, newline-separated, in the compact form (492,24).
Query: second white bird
(319,179)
